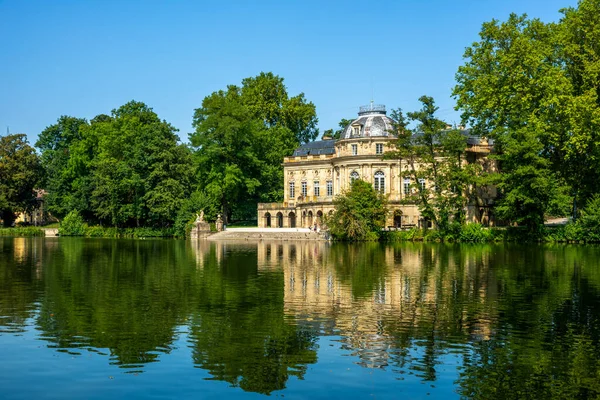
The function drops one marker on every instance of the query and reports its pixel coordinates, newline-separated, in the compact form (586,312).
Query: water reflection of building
(371,295)
(411,290)
(200,250)
(27,251)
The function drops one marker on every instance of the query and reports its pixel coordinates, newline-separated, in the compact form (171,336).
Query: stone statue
(199,217)
(201,227)
(219,223)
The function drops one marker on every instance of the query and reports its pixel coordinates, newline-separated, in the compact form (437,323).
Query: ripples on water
(163,318)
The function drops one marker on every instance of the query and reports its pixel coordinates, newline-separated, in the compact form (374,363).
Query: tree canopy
(359,214)
(20,172)
(441,183)
(54,144)
(534,87)
(241,135)
(127,169)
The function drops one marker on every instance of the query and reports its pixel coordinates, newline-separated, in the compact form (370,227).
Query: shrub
(452,232)
(359,214)
(433,235)
(184,222)
(25,231)
(590,219)
(72,225)
(475,233)
(413,234)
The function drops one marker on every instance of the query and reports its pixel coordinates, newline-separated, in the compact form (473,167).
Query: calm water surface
(99,318)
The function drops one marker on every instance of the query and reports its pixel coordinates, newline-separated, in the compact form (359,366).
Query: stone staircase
(267,234)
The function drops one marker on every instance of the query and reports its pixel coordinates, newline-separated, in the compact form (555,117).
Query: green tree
(20,172)
(435,158)
(267,99)
(72,225)
(590,218)
(531,84)
(55,144)
(141,174)
(241,135)
(359,214)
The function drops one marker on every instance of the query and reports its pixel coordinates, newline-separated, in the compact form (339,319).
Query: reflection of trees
(525,321)
(126,296)
(547,343)
(19,282)
(240,333)
(361,266)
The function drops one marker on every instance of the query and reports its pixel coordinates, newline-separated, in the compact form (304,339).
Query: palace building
(318,171)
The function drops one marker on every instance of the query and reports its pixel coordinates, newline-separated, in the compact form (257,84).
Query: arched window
(354,176)
(292,219)
(379,182)
(310,219)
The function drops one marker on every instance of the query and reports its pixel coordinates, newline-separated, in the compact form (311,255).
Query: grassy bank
(120,233)
(22,231)
(73,225)
(475,233)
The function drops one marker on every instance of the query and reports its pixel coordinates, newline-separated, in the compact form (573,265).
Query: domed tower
(371,134)
(372,122)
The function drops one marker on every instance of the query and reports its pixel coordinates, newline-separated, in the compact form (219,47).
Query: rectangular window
(406,186)
(379,148)
(354,149)
(304,189)
(329,188)
(292,191)
(317,189)
(379,183)
(422,183)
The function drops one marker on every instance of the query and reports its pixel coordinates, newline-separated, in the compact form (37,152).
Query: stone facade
(319,171)
(38,216)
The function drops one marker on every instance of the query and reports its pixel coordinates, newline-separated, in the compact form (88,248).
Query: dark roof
(316,148)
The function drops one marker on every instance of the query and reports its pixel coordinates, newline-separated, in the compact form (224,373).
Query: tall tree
(534,87)
(54,144)
(267,99)
(20,172)
(141,174)
(241,135)
(435,162)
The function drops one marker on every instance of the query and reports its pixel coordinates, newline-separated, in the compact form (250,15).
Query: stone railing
(314,199)
(270,206)
(308,158)
(276,206)
(371,108)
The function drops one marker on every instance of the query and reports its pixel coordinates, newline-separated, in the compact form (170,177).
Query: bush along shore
(476,233)
(22,231)
(73,225)
(360,215)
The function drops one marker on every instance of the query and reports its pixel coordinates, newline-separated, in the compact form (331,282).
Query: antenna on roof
(372,93)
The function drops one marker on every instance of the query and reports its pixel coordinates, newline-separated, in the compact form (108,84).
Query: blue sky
(83,58)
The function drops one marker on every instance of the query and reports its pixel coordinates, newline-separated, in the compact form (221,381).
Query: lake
(103,318)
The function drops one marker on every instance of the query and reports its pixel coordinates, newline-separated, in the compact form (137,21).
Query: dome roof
(372,121)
